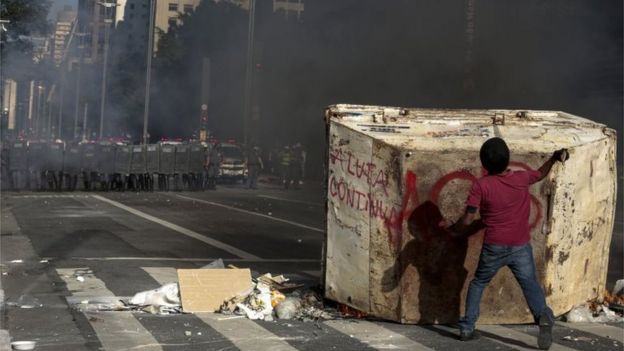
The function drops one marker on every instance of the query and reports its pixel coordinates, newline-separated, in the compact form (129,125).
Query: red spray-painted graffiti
(360,169)
(395,223)
(392,216)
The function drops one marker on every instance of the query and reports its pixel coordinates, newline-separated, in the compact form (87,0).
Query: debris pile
(268,299)
(231,290)
(609,309)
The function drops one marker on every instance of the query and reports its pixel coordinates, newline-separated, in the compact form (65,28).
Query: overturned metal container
(395,173)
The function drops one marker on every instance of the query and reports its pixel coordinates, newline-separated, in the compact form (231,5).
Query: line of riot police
(105,166)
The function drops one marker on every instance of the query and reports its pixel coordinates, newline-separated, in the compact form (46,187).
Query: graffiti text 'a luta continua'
(361,169)
(360,200)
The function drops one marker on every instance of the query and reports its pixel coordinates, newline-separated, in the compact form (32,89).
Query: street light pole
(38,115)
(148,72)
(84,121)
(249,71)
(78,74)
(107,22)
(59,130)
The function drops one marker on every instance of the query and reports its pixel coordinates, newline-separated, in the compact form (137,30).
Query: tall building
(42,47)
(132,18)
(131,22)
(168,14)
(64,22)
(93,17)
(289,7)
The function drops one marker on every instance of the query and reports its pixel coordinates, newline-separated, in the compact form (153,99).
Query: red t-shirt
(504,203)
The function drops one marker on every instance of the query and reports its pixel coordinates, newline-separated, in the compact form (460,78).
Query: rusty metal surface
(407,169)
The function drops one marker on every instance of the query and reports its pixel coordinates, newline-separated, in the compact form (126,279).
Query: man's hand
(467,225)
(561,155)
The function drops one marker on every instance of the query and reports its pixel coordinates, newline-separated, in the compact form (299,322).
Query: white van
(233,167)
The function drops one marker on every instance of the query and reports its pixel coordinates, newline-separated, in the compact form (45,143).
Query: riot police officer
(285,159)
(214,161)
(254,166)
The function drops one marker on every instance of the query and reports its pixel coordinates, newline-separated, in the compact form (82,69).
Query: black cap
(494,155)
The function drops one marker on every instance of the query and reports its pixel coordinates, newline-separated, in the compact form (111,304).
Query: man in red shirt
(502,198)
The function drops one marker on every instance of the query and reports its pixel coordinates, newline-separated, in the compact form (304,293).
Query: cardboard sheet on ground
(204,290)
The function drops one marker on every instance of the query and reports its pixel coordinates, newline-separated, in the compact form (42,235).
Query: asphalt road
(123,243)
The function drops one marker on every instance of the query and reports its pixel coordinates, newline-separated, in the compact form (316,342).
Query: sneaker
(467,335)
(544,340)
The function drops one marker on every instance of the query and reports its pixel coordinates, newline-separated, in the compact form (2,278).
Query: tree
(26,19)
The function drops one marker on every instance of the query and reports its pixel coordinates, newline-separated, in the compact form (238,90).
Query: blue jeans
(520,260)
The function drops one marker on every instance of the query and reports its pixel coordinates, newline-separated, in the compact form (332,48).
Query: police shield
(71,161)
(36,157)
(152,155)
(17,164)
(182,159)
(123,158)
(167,159)
(53,157)
(17,156)
(106,158)
(196,158)
(138,160)
(89,158)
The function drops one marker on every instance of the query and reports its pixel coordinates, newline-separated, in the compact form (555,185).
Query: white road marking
(185,259)
(246,334)
(602,330)
(81,282)
(242,332)
(253,213)
(375,336)
(210,241)
(115,330)
(291,200)
(529,340)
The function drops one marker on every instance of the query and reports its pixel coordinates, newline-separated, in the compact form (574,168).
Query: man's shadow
(439,260)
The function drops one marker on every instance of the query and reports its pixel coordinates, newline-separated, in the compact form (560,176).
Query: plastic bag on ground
(618,289)
(167,295)
(288,309)
(583,313)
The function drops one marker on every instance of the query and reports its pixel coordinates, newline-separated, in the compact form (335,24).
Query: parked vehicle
(233,167)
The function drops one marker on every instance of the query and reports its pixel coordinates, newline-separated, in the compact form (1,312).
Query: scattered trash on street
(607,310)
(26,301)
(576,338)
(289,308)
(23,345)
(230,291)
(167,295)
(204,290)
